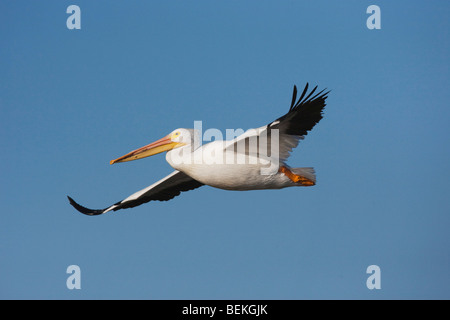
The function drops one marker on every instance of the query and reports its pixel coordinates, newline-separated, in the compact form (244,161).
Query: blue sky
(72,100)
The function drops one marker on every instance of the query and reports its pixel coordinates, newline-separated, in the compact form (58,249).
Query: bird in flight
(254,160)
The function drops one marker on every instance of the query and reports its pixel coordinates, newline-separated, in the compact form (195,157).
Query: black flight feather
(303,114)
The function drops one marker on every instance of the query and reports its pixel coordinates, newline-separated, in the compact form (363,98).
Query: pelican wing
(163,190)
(303,115)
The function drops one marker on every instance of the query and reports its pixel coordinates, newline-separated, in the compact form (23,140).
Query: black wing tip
(294,97)
(84,210)
(303,99)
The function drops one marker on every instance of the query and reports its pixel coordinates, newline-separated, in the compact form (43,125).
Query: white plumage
(254,160)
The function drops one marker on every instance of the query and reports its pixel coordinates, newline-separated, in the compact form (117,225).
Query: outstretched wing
(303,115)
(163,190)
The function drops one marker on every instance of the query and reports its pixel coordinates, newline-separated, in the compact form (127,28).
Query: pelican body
(216,164)
(254,160)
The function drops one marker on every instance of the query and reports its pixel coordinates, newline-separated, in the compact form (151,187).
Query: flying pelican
(217,163)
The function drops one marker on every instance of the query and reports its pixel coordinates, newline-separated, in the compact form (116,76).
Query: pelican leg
(296,178)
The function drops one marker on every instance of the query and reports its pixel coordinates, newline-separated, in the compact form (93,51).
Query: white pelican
(217,163)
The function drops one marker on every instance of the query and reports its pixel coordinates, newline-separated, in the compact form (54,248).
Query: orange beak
(161,145)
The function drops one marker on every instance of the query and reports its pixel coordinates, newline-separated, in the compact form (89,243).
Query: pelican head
(178,138)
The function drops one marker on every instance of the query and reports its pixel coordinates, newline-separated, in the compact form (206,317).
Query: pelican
(254,160)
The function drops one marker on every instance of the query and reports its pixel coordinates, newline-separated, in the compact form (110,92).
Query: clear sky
(72,100)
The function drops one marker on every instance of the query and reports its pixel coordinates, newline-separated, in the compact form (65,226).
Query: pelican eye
(175,135)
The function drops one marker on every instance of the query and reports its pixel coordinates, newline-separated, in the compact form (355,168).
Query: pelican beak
(161,145)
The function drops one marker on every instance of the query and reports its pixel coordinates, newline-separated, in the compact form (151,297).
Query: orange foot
(297,178)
